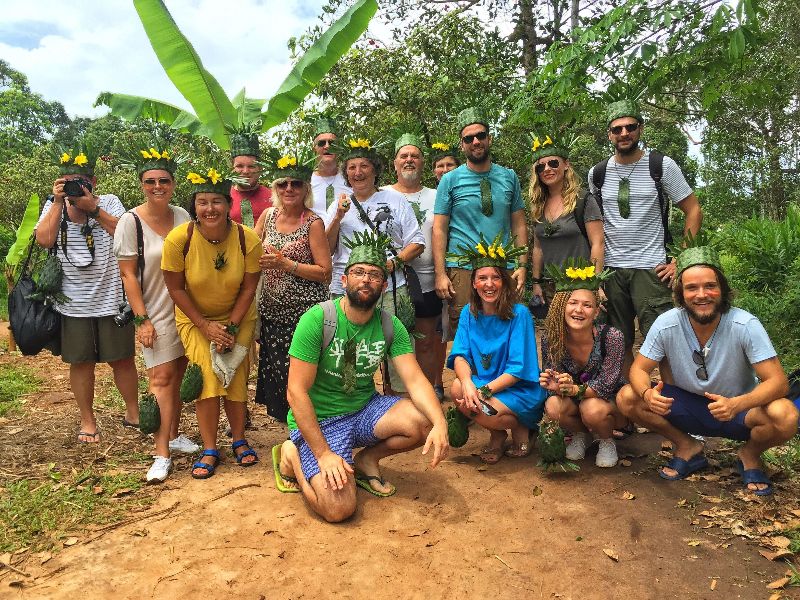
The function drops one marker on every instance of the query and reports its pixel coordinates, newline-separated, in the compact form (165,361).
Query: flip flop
(126,423)
(492,456)
(95,436)
(363,481)
(754,476)
(684,468)
(280,477)
(521,451)
(624,432)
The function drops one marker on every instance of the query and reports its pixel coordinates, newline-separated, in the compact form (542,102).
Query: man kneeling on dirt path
(334,406)
(715,352)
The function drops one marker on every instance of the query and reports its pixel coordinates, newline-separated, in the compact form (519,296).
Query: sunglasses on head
(289,183)
(553,163)
(700,360)
(629,127)
(467,139)
(323,143)
(160,180)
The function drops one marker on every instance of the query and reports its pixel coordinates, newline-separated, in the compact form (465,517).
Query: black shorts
(431,306)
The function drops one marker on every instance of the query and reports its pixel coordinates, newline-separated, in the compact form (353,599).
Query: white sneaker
(576,449)
(159,472)
(606,454)
(183,444)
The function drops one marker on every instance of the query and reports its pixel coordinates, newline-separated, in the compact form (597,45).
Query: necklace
(624,193)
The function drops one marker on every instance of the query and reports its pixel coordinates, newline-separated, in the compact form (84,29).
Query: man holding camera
(79,226)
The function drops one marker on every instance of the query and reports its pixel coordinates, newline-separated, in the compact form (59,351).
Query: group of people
(330,272)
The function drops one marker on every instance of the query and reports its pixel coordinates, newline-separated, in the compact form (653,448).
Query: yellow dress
(214,293)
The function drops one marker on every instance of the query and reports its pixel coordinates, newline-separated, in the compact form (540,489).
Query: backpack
(580,211)
(329,323)
(656,165)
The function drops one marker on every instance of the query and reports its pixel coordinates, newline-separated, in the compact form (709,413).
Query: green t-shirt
(327,395)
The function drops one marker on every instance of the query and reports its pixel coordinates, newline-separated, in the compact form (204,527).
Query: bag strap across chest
(330,322)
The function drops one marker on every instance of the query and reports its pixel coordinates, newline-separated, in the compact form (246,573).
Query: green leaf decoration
(131,108)
(17,250)
(318,60)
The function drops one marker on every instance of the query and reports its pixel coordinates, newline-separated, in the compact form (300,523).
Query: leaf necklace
(349,358)
(624,194)
(487,207)
(550,225)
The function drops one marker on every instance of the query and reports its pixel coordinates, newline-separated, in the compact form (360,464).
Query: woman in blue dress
(494,356)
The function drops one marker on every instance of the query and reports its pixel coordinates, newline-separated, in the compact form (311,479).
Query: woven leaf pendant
(247,213)
(329,195)
(624,198)
(486,197)
(349,367)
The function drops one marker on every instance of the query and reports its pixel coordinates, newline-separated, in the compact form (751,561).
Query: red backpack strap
(189,232)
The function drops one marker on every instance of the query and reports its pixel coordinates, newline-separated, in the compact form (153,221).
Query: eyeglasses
(289,183)
(323,143)
(700,359)
(467,139)
(629,127)
(373,276)
(553,163)
(160,180)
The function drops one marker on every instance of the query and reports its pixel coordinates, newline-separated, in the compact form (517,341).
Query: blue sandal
(754,476)
(249,452)
(210,468)
(684,468)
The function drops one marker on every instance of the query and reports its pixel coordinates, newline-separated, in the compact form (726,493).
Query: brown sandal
(521,451)
(491,456)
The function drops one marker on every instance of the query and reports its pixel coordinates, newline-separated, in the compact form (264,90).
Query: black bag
(34,324)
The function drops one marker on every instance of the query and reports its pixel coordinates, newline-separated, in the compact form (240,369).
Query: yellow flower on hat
(80,160)
(145,154)
(164,155)
(65,158)
(440,146)
(359,143)
(547,141)
(481,250)
(155,153)
(536,144)
(492,252)
(589,271)
(214,176)
(195,178)
(286,161)
(572,273)
(500,252)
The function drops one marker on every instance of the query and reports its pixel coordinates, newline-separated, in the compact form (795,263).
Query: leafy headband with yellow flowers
(496,254)
(576,274)
(80,159)
(298,164)
(213,181)
(546,147)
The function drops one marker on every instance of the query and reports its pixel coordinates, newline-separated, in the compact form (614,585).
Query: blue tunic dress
(492,347)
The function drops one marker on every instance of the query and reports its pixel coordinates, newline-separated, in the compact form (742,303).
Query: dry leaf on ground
(713,585)
(785,553)
(70,541)
(628,496)
(611,554)
(778,584)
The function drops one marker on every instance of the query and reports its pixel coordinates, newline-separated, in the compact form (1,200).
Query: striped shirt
(638,241)
(94,286)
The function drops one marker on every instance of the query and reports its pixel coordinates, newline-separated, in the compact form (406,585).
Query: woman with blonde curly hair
(582,364)
(556,199)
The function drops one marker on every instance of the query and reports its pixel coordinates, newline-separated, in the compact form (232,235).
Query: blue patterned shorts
(345,432)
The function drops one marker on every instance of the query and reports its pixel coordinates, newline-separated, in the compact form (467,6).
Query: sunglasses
(467,139)
(289,183)
(160,180)
(700,360)
(553,163)
(323,143)
(630,128)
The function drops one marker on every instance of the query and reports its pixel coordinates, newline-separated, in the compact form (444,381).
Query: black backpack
(656,164)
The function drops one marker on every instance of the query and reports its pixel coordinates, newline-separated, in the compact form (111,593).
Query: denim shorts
(690,414)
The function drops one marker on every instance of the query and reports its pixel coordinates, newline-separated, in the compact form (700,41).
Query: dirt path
(460,530)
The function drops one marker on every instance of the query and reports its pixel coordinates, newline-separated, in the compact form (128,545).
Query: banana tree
(17,250)
(215,115)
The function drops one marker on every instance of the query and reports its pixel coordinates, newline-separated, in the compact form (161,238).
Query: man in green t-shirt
(334,405)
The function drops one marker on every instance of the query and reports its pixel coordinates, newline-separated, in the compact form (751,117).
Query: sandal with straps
(249,452)
(209,467)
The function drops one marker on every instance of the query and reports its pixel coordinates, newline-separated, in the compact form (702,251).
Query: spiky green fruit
(192,383)
(457,427)
(149,414)
(553,448)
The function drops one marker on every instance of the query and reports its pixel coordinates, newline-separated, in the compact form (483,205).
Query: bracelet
(581,392)
(139,319)
(485,391)
(296,264)
(94,213)
(232,328)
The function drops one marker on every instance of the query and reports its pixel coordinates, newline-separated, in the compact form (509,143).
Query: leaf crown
(484,254)
(576,274)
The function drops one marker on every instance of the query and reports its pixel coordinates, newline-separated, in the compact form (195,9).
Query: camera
(125,315)
(72,188)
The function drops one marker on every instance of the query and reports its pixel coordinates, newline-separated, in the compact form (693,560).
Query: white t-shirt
(319,187)
(94,286)
(391,213)
(422,204)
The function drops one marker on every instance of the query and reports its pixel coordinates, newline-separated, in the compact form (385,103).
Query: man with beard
(477,198)
(635,215)
(408,165)
(327,183)
(334,405)
(715,353)
(250,199)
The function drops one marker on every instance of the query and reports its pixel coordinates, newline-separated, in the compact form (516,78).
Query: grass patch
(3,299)
(15,381)
(38,515)
(786,456)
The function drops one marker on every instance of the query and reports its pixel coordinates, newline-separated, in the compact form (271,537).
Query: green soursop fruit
(48,282)
(553,448)
(405,312)
(192,383)
(149,415)
(457,427)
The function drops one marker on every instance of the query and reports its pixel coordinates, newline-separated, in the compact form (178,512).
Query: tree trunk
(12,344)
(573,17)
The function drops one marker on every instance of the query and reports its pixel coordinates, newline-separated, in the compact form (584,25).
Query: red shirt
(260,199)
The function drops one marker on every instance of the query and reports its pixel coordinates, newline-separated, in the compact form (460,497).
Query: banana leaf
(185,69)
(317,61)
(131,108)
(24,231)
(248,109)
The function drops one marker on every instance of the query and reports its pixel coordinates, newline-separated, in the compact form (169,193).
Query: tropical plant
(216,116)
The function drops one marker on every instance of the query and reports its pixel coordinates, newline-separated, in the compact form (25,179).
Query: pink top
(260,199)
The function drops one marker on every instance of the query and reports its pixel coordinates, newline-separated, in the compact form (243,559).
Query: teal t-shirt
(459,197)
(327,395)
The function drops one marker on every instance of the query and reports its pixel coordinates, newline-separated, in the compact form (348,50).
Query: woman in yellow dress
(211,270)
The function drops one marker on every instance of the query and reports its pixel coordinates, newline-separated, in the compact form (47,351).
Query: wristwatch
(94,213)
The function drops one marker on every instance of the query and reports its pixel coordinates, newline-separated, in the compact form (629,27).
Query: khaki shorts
(95,339)
(635,293)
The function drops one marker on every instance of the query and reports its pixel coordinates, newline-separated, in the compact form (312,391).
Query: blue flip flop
(754,476)
(684,468)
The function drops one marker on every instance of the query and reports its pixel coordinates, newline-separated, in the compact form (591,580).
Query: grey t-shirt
(567,240)
(739,342)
